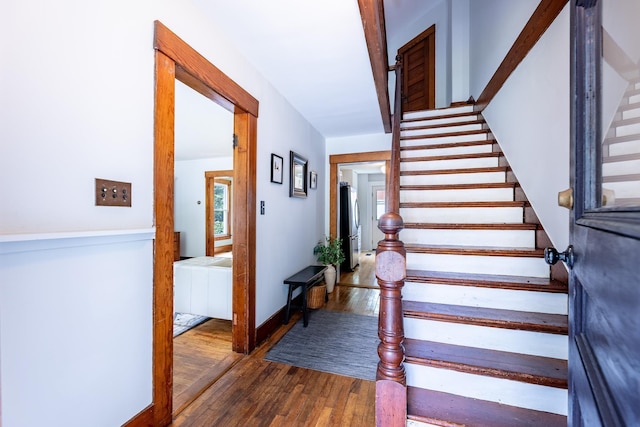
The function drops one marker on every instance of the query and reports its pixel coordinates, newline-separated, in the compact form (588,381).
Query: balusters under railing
(391,390)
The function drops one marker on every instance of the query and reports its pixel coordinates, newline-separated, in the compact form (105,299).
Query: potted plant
(330,254)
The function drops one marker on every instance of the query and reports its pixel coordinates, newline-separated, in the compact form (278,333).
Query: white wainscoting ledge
(15,243)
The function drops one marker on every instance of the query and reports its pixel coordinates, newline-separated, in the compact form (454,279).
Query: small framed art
(276,168)
(298,176)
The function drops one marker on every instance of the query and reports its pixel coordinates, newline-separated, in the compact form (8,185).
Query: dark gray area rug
(333,342)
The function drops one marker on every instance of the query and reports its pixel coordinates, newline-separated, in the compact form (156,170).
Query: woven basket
(315,296)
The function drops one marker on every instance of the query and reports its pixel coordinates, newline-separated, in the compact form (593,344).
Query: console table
(305,278)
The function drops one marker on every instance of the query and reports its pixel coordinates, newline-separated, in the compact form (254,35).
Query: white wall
(77,103)
(495,25)
(530,118)
(460,29)
(189,215)
(439,15)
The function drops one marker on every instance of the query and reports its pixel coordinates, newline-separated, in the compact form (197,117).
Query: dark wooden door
(604,346)
(419,72)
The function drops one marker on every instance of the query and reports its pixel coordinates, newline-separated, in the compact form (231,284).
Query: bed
(202,286)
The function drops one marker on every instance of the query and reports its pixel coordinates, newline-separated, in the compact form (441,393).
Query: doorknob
(552,256)
(565,198)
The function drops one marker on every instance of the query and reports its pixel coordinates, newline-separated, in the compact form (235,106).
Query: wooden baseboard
(143,419)
(271,324)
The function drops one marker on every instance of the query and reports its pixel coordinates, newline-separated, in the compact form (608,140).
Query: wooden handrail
(393,176)
(391,270)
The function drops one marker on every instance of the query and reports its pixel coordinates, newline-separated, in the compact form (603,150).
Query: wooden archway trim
(176,59)
(337,159)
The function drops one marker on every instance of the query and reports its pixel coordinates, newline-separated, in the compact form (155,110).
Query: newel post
(391,390)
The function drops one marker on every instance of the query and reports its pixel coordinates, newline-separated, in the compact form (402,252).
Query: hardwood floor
(364,276)
(255,392)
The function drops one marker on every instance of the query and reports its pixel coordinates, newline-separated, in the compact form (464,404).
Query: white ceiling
(314,53)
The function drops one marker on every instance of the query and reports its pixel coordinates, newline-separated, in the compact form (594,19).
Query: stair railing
(391,382)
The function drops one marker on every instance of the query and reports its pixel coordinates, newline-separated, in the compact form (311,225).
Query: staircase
(485,325)
(621,152)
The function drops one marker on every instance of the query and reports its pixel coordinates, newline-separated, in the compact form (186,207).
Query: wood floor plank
(257,392)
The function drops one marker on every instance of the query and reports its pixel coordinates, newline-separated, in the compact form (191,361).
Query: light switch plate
(113,193)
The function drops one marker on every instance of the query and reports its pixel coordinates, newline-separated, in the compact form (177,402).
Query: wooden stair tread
(448,145)
(440,117)
(488,281)
(443,125)
(498,364)
(467,226)
(460,186)
(474,250)
(490,204)
(480,316)
(450,410)
(446,134)
(451,157)
(456,171)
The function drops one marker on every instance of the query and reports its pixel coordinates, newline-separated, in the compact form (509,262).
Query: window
(221,208)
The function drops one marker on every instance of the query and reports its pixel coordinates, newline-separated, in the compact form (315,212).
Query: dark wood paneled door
(604,347)
(419,72)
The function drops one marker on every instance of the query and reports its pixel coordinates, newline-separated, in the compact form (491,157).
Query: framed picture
(276,168)
(313,180)
(298,176)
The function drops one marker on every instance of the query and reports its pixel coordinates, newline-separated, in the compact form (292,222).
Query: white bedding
(202,285)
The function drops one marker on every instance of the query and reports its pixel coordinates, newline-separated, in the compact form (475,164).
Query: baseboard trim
(144,418)
(269,326)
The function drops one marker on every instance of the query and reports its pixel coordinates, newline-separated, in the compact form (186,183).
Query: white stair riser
(616,168)
(482,162)
(453,178)
(442,121)
(496,215)
(443,140)
(625,130)
(478,264)
(623,148)
(440,130)
(634,99)
(631,114)
(493,238)
(505,299)
(435,113)
(449,151)
(508,392)
(510,340)
(461,195)
(622,190)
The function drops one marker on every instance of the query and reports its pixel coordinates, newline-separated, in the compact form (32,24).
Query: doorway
(335,162)
(419,72)
(174,59)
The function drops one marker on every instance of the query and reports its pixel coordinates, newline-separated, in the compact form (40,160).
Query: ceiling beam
(372,14)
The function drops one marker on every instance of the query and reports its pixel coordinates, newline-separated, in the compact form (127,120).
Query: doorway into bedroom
(176,61)
(203,188)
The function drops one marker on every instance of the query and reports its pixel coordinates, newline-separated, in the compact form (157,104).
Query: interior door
(419,72)
(604,352)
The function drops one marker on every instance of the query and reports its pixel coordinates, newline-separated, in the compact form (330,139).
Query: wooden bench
(306,279)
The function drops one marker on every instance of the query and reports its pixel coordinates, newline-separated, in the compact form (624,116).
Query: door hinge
(235,140)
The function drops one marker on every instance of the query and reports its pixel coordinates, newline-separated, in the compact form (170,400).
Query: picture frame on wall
(277,164)
(298,175)
(313,180)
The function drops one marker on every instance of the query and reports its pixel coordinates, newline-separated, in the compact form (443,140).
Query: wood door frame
(337,159)
(210,178)
(430,36)
(175,59)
